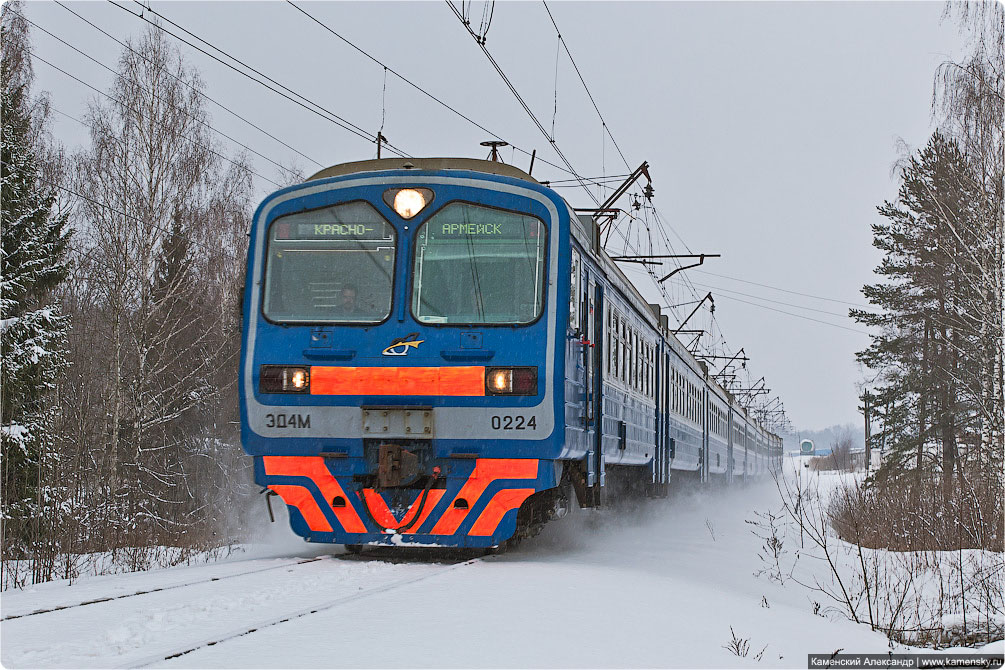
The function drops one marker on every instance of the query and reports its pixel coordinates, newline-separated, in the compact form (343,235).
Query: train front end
(398,363)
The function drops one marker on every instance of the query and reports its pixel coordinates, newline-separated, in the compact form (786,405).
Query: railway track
(195,582)
(297,614)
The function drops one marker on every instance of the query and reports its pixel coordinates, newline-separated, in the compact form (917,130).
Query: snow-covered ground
(657,587)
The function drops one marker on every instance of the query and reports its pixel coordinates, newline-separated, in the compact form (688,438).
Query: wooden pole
(868,450)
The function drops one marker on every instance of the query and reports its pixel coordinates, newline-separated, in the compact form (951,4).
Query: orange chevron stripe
(502,502)
(314,468)
(383,515)
(438,381)
(301,498)
(486,471)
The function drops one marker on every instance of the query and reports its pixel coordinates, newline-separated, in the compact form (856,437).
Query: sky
(771,131)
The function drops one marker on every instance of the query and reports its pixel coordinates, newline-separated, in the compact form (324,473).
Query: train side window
(574,292)
(648,385)
(615,349)
(607,340)
(621,348)
(633,364)
(629,356)
(652,372)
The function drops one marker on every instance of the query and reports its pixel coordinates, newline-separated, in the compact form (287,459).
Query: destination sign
(509,227)
(464,221)
(331,231)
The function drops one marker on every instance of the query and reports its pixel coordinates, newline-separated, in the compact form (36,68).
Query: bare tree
(164,228)
(969,99)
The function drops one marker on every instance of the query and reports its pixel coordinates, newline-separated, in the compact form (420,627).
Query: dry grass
(919,513)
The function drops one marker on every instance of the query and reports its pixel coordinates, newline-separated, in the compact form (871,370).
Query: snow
(659,586)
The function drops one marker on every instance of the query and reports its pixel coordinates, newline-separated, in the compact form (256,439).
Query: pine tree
(928,345)
(32,265)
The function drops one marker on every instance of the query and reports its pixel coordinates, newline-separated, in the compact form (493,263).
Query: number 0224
(514,422)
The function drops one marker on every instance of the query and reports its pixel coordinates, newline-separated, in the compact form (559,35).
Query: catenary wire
(777,302)
(523,103)
(196,90)
(583,81)
(188,114)
(185,137)
(320,111)
(188,32)
(422,90)
(784,290)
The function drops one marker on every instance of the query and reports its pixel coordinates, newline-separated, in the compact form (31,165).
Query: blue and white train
(438,352)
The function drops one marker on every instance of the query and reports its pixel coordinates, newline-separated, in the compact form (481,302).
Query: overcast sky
(770,128)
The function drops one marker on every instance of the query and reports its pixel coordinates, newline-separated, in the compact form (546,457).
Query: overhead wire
(199,92)
(523,103)
(798,316)
(784,290)
(137,112)
(581,79)
(778,302)
(422,90)
(606,128)
(115,210)
(188,114)
(304,102)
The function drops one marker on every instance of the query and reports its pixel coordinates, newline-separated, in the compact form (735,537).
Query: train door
(668,391)
(596,376)
(705,444)
(659,446)
(592,337)
(661,465)
(729,445)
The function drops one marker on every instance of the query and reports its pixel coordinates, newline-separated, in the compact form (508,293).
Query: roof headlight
(408,202)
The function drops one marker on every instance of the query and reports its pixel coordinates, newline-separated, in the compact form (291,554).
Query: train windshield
(477,265)
(334,264)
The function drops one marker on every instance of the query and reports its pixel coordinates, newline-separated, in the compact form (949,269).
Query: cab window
(334,264)
(478,265)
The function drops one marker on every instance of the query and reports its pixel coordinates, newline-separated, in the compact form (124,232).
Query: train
(439,353)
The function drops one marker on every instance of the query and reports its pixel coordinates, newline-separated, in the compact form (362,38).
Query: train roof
(384,164)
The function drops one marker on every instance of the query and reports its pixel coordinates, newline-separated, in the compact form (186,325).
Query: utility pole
(868,454)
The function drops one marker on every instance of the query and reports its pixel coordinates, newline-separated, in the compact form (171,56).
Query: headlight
(511,381)
(283,379)
(408,202)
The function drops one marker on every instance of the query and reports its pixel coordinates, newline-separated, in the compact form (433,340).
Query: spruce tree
(32,265)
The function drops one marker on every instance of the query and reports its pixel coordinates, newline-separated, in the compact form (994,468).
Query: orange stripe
(383,515)
(502,502)
(486,471)
(446,381)
(431,500)
(314,468)
(301,498)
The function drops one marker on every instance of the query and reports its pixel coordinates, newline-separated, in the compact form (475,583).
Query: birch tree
(162,213)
